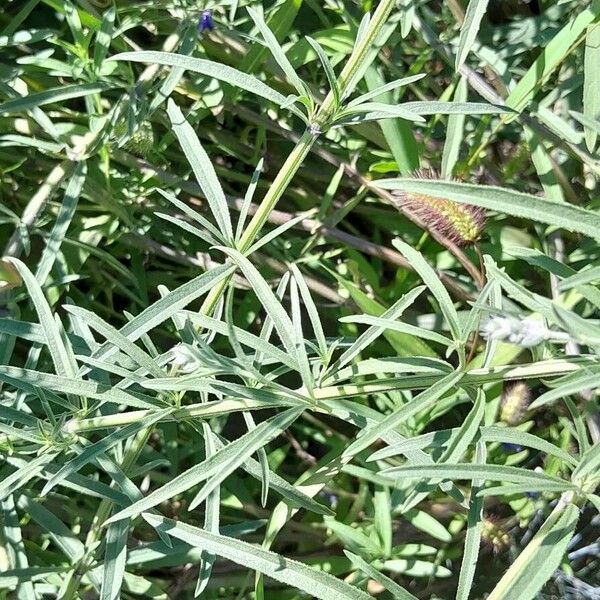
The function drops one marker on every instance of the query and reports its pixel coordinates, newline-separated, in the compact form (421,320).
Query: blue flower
(205,22)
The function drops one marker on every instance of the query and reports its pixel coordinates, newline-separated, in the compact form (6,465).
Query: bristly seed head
(514,402)
(460,223)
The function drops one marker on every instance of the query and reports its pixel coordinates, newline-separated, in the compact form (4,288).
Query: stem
(357,59)
(353,67)
(37,203)
(131,455)
(205,410)
(278,187)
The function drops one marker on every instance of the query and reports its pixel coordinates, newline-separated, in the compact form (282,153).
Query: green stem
(103,512)
(204,410)
(353,67)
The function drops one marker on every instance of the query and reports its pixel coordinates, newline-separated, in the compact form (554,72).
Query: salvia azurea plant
(299,300)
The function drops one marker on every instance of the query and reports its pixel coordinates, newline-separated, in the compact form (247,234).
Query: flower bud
(526,332)
(184,358)
(205,22)
(492,534)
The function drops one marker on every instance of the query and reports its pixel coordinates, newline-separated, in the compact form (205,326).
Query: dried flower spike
(514,402)
(460,223)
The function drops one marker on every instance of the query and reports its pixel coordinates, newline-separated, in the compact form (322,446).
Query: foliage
(248,350)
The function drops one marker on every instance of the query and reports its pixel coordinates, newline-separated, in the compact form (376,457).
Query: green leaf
(257,15)
(590,461)
(397,132)
(432,281)
(210,68)
(167,306)
(522,438)
(505,201)
(52,95)
(28,380)
(374,111)
(390,585)
(61,354)
(455,129)
(238,451)
(390,325)
(403,344)
(13,482)
(101,446)
(116,338)
(383,89)
(591,82)
(373,332)
(540,558)
(473,535)
(520,489)
(104,37)
(468,32)
(329,73)
(453,108)
(192,214)
(315,583)
(274,427)
(29,36)
(211,515)
(276,312)
(559,47)
(115,558)
(421,402)
(460,471)
(203,169)
(279,22)
(583,277)
(63,220)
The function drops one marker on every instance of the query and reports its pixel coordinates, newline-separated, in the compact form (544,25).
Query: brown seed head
(460,223)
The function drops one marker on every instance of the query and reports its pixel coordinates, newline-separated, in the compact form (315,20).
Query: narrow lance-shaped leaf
(455,131)
(390,585)
(460,471)
(104,444)
(210,68)
(540,558)
(211,517)
(591,82)
(329,73)
(257,15)
(243,451)
(421,402)
(274,309)
(22,475)
(315,583)
(63,219)
(61,354)
(203,169)
(557,49)
(115,559)
(473,536)
(468,32)
(432,281)
(51,96)
(248,443)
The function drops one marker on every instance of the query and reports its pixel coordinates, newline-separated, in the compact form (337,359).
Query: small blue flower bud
(205,23)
